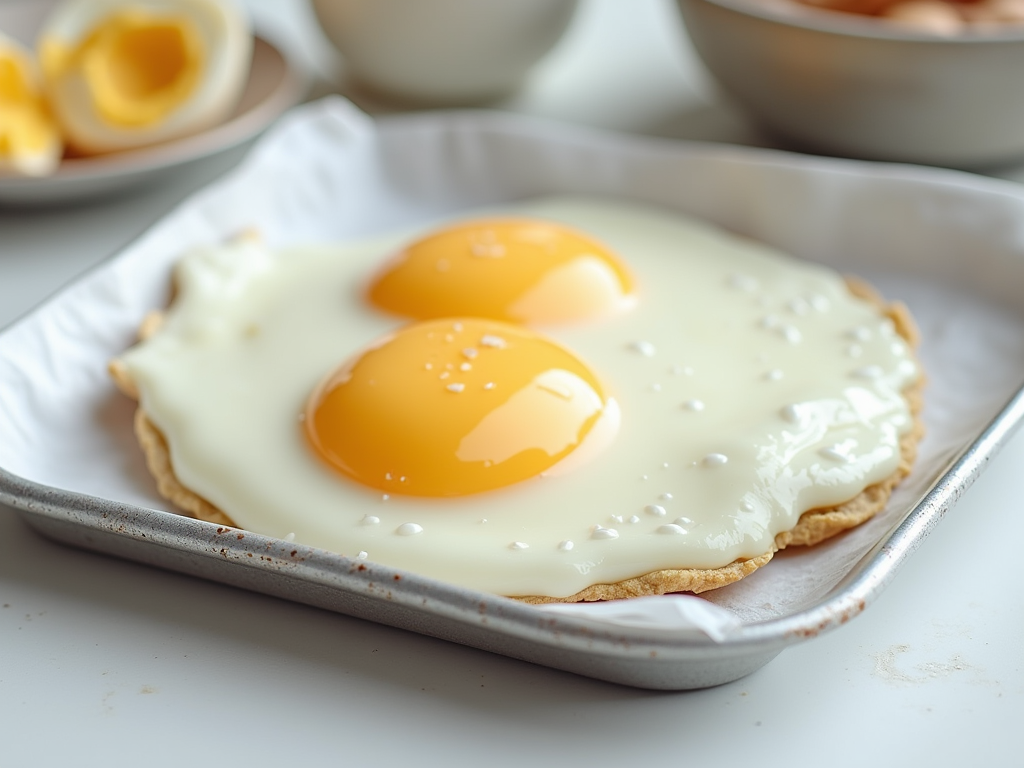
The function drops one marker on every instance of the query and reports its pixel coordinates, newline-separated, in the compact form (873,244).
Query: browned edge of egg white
(813,527)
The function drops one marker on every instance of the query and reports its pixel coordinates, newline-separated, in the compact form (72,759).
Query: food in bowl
(850,85)
(940,17)
(720,402)
(122,74)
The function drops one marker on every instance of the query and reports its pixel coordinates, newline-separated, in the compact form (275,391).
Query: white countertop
(104,662)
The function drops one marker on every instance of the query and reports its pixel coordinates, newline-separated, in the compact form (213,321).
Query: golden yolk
(30,142)
(453,407)
(138,66)
(521,271)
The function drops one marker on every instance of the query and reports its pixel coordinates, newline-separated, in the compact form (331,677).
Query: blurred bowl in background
(443,52)
(861,87)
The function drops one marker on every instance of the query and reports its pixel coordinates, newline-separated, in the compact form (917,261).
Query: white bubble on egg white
(670,528)
(645,348)
(715,460)
(867,372)
(859,333)
(791,334)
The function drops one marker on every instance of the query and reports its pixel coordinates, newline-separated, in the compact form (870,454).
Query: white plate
(273,86)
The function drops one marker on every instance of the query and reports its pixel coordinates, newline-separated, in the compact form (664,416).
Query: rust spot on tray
(397,577)
(240,536)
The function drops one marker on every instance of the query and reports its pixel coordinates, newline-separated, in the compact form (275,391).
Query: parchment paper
(950,245)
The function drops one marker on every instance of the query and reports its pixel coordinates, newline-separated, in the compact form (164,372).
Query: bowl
(442,52)
(861,87)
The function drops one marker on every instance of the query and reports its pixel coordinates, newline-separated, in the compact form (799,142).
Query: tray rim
(41,505)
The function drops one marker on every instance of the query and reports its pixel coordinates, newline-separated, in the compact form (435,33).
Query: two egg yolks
(467,400)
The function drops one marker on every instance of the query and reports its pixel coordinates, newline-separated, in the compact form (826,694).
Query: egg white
(732,351)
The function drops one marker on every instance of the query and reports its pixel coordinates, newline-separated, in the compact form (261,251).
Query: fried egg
(700,403)
(122,74)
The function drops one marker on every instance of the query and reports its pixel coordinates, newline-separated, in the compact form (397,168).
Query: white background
(108,663)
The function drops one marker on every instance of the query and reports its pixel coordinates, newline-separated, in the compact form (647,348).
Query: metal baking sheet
(952,245)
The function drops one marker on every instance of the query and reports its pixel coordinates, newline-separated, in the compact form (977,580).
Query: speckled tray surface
(950,245)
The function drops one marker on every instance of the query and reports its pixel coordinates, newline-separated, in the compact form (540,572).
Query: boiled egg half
(30,142)
(122,74)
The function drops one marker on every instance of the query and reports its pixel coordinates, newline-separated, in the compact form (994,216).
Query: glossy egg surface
(748,388)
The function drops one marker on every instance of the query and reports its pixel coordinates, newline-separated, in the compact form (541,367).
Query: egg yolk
(516,270)
(453,407)
(30,142)
(137,66)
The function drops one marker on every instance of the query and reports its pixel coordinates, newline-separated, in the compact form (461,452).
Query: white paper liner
(950,245)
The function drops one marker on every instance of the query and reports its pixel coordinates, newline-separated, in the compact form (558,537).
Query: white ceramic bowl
(861,87)
(443,51)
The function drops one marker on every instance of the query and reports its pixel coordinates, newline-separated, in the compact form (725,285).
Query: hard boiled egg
(128,73)
(30,143)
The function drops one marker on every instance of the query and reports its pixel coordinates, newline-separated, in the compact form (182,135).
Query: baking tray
(951,245)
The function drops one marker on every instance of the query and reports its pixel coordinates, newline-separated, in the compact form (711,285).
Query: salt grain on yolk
(409,416)
(516,270)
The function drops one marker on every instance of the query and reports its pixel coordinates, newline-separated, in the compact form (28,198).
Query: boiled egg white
(30,142)
(122,74)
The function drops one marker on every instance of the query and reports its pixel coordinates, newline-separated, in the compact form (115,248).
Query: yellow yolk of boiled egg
(30,142)
(129,73)
(515,270)
(451,407)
